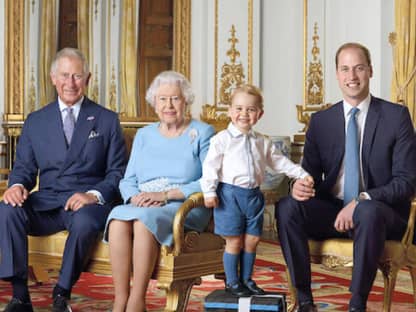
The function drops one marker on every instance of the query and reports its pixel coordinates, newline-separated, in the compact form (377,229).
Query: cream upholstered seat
(333,253)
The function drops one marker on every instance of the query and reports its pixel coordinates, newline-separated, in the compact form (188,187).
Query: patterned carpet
(330,289)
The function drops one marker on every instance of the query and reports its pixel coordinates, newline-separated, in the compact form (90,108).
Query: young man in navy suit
(77,150)
(385,180)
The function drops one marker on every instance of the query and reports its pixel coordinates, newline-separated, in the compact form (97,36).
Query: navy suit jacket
(95,160)
(388,153)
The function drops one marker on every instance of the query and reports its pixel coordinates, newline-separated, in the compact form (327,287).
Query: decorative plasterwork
(112,92)
(232,74)
(94,88)
(31,102)
(313,79)
(232,56)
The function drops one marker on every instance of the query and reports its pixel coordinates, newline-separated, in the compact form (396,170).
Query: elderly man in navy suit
(361,153)
(77,150)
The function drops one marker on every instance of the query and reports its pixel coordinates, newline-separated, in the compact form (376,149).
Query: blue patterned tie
(352,159)
(69,124)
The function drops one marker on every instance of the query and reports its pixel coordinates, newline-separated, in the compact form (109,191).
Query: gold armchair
(181,266)
(333,253)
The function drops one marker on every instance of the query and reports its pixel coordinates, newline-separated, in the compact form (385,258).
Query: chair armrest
(193,201)
(407,239)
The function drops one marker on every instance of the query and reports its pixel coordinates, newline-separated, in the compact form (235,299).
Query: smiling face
(170,104)
(69,79)
(244,111)
(353,75)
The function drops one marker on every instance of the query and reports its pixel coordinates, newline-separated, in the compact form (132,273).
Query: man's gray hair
(70,53)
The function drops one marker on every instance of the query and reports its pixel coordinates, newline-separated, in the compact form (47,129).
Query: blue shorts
(240,211)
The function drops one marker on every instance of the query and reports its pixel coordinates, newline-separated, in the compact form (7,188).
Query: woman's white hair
(170,77)
(70,53)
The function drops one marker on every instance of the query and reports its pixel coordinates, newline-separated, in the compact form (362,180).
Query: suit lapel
(339,128)
(85,123)
(373,116)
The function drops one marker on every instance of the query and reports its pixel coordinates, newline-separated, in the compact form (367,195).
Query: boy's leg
(231,259)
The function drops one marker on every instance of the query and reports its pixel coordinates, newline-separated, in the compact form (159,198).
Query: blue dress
(158,163)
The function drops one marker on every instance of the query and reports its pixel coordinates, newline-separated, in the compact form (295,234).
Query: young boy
(232,173)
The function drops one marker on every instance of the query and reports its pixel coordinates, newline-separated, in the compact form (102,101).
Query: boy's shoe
(238,290)
(253,288)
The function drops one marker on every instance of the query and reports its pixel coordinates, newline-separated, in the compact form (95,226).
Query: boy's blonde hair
(249,89)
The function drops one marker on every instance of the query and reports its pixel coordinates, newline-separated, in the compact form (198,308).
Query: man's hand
(15,195)
(211,202)
(303,189)
(343,222)
(79,200)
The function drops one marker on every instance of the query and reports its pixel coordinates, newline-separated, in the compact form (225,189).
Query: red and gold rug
(330,289)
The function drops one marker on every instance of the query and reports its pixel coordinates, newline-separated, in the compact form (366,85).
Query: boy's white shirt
(239,159)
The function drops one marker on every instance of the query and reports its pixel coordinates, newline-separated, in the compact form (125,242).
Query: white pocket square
(93,134)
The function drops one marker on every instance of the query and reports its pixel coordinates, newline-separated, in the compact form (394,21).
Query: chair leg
(293,297)
(413,275)
(38,274)
(177,294)
(390,275)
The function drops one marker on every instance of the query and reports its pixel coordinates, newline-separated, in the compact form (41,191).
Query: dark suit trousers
(374,222)
(16,223)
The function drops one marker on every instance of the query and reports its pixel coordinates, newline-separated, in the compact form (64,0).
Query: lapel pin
(89,118)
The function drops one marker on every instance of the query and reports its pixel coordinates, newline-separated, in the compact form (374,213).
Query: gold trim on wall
(83,28)
(312,75)
(14,61)
(48,47)
(182,37)
(216,53)
(250,42)
(128,60)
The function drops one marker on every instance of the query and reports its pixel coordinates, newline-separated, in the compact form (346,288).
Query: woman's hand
(147,199)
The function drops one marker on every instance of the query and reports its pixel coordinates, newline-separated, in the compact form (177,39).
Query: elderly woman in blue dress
(164,168)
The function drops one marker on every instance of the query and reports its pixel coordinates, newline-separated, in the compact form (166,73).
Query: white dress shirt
(75,108)
(338,189)
(241,159)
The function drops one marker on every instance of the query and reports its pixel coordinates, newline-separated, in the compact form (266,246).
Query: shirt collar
(76,107)
(363,106)
(235,132)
